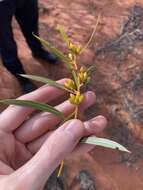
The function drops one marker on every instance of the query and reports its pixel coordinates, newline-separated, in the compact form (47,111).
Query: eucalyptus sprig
(80,76)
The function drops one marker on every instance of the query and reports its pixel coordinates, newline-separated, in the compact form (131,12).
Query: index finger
(12,117)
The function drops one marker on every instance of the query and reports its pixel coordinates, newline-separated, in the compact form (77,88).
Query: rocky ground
(116,51)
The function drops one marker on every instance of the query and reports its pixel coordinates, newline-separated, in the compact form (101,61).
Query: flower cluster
(80,76)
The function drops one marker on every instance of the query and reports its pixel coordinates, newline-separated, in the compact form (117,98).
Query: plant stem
(76,113)
(61,168)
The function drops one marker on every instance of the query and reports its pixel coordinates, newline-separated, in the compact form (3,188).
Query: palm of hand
(13,153)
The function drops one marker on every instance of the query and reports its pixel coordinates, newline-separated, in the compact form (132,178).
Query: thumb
(36,172)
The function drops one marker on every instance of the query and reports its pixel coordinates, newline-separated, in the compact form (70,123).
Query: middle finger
(42,122)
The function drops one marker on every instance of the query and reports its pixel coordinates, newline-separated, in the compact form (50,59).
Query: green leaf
(55,51)
(64,35)
(104,142)
(75,78)
(45,81)
(36,105)
(91,69)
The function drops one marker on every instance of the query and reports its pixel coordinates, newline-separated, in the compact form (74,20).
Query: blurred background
(117,53)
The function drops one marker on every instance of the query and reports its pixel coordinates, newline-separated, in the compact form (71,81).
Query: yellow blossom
(70,84)
(76,98)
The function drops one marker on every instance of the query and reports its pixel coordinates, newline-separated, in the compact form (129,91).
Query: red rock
(117,54)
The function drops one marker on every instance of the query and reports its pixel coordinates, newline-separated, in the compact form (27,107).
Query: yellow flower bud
(78,49)
(82,69)
(76,99)
(85,76)
(72,99)
(70,56)
(74,48)
(70,84)
(81,76)
(71,46)
(81,98)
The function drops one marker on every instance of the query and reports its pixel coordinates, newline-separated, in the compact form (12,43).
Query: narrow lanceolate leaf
(32,104)
(46,81)
(104,142)
(55,51)
(64,36)
(92,35)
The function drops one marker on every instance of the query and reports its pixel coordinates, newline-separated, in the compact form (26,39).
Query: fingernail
(97,124)
(101,120)
(89,100)
(90,97)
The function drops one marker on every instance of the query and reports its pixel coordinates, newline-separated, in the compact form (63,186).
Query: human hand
(30,145)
